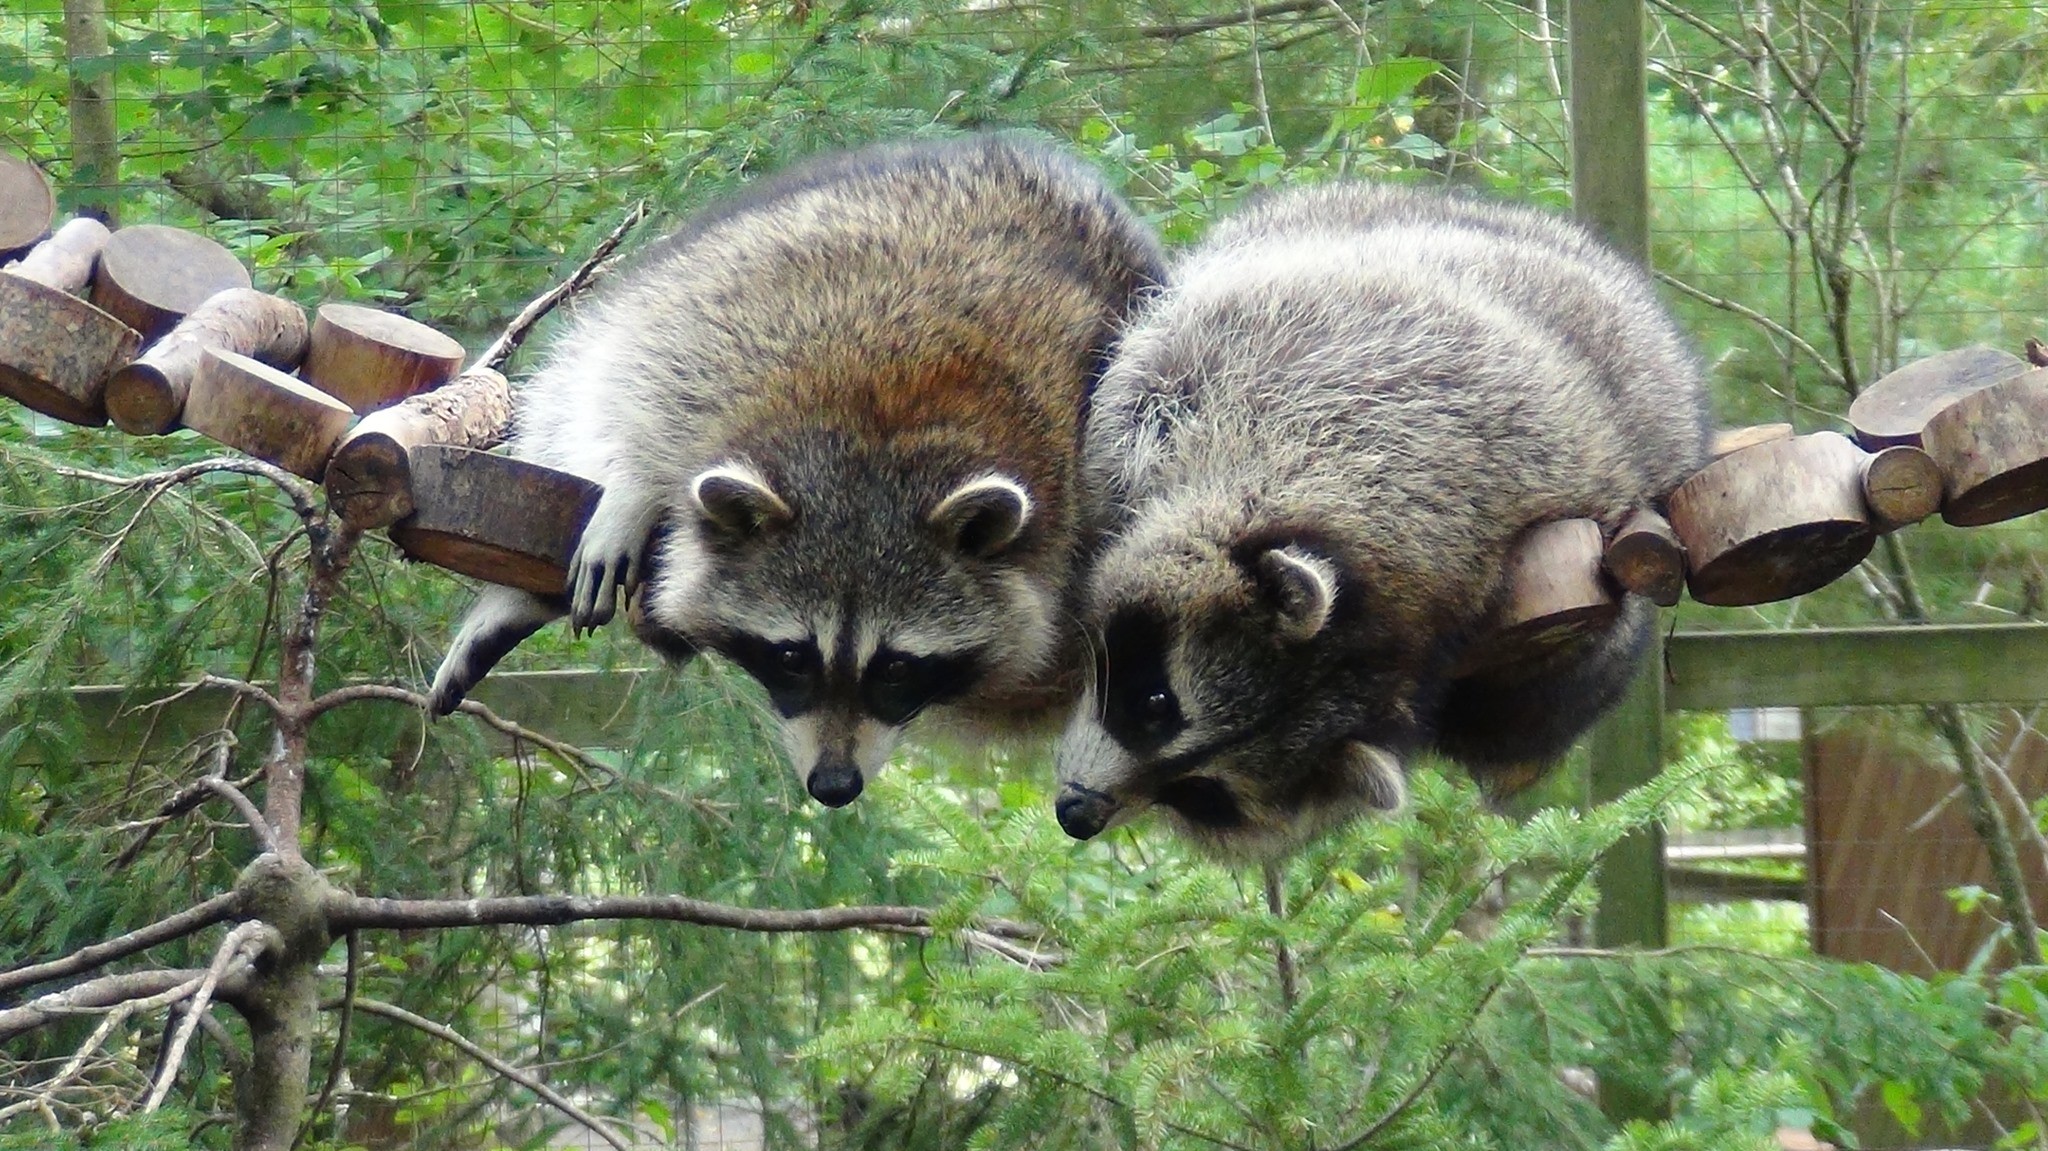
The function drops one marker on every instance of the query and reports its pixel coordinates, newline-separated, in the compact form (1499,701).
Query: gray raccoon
(1312,453)
(837,421)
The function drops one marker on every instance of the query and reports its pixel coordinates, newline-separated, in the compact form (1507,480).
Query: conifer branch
(515,333)
(304,500)
(187,922)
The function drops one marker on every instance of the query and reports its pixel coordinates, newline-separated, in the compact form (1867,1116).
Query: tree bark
(95,139)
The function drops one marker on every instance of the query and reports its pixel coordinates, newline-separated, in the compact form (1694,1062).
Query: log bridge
(156,329)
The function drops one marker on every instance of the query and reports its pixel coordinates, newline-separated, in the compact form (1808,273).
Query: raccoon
(837,421)
(1311,454)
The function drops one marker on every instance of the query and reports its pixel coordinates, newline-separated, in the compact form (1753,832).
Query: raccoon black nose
(1083,813)
(834,785)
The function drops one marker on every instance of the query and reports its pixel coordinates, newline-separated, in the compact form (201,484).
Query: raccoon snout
(1083,813)
(834,784)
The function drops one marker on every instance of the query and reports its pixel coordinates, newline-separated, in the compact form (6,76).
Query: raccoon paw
(501,619)
(610,560)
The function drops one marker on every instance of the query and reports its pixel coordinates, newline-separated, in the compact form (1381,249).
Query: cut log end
(1646,558)
(1901,486)
(493,517)
(1773,521)
(1991,446)
(26,206)
(142,401)
(1728,441)
(369,482)
(1896,409)
(1556,594)
(1782,564)
(254,408)
(56,350)
(151,276)
(371,359)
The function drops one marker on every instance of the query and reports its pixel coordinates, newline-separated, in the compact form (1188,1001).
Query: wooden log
(151,276)
(1901,485)
(57,350)
(369,480)
(1728,441)
(1896,408)
(369,359)
(1556,593)
(26,206)
(493,517)
(146,397)
(254,408)
(1646,558)
(1773,521)
(1992,447)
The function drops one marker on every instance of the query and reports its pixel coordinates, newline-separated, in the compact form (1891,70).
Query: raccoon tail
(500,619)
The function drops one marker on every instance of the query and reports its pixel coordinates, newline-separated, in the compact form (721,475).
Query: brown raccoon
(850,400)
(1312,454)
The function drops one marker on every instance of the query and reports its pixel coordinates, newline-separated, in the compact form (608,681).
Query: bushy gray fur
(846,407)
(1312,454)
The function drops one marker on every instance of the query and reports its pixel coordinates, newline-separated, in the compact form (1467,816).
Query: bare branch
(348,912)
(1827,368)
(72,1066)
(220,907)
(515,333)
(245,942)
(497,1065)
(132,991)
(266,839)
(301,494)
(1181,31)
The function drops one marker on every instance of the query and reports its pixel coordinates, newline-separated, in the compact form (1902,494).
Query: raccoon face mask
(852,638)
(1211,703)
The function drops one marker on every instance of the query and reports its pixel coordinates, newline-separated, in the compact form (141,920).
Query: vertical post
(1611,190)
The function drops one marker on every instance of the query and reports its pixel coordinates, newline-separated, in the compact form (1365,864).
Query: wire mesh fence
(1837,189)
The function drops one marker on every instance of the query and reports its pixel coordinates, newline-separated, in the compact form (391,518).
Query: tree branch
(497,1065)
(349,912)
(301,494)
(1181,31)
(515,333)
(134,990)
(205,915)
(246,941)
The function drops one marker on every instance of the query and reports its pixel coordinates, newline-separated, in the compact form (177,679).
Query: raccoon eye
(790,657)
(1159,706)
(894,672)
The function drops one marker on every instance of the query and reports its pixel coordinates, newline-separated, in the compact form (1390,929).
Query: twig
(1283,959)
(1175,32)
(1827,368)
(245,942)
(515,333)
(205,915)
(266,840)
(497,1065)
(72,1066)
(302,495)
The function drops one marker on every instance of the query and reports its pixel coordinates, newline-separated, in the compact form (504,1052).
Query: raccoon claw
(608,563)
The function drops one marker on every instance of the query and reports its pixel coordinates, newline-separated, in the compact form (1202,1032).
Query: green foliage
(450,160)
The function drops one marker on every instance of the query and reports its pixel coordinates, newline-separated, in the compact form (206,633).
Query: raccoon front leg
(610,559)
(500,620)
(1505,723)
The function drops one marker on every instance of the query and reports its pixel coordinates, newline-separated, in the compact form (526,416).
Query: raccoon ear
(1301,585)
(736,499)
(983,516)
(1375,776)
